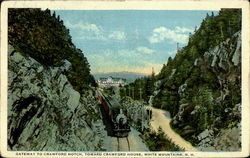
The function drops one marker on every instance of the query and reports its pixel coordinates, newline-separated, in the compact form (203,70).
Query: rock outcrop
(225,62)
(136,112)
(45,113)
(227,139)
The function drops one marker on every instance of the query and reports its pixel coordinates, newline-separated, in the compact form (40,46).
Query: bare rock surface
(45,113)
(135,111)
(224,61)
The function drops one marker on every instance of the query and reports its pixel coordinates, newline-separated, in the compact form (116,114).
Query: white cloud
(145,50)
(179,34)
(93,32)
(85,27)
(183,29)
(117,35)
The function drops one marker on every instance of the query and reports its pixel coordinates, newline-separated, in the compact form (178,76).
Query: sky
(130,40)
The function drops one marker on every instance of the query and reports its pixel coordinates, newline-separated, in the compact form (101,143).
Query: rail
(123,144)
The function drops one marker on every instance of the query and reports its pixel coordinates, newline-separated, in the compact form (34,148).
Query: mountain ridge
(103,73)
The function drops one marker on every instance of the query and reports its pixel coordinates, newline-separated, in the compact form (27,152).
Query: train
(116,117)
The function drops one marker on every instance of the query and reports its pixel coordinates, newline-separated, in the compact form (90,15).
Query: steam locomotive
(116,116)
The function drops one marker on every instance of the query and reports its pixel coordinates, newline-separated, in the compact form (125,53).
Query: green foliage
(204,109)
(140,89)
(109,91)
(234,96)
(202,90)
(39,35)
(167,100)
(213,30)
(43,36)
(159,141)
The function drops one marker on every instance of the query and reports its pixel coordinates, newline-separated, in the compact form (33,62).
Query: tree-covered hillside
(43,36)
(204,77)
(140,89)
(213,31)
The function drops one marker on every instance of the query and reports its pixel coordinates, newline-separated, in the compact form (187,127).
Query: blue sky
(129,40)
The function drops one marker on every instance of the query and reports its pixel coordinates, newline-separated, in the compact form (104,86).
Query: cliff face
(222,113)
(136,113)
(45,112)
(225,61)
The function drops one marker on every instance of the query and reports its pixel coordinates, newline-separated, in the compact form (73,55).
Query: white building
(111,82)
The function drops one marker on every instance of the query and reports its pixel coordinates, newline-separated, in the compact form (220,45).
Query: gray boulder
(45,113)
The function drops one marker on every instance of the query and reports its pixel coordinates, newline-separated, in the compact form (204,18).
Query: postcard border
(128,5)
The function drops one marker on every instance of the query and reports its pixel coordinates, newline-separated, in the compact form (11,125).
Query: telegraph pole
(140,91)
(133,93)
(129,91)
(125,91)
(142,118)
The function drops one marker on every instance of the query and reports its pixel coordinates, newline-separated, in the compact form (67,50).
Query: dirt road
(161,118)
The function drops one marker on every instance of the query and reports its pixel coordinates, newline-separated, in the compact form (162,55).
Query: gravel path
(161,118)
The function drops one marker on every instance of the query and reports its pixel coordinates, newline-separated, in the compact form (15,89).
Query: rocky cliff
(45,112)
(136,113)
(224,112)
(201,85)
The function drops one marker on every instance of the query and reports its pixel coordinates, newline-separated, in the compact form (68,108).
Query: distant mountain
(129,76)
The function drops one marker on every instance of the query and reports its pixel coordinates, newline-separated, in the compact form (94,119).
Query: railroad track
(123,144)
(128,144)
(118,144)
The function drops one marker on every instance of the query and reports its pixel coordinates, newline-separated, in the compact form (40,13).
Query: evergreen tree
(37,34)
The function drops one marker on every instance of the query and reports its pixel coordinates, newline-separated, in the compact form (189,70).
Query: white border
(132,5)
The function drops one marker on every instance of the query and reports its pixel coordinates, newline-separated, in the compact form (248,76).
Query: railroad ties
(123,144)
